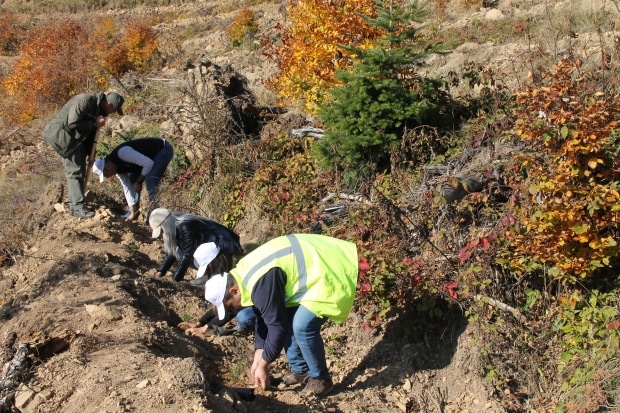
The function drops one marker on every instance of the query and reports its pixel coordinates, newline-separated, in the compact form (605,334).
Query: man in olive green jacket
(72,134)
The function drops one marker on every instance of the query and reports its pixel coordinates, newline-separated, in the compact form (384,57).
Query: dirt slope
(102,337)
(100,328)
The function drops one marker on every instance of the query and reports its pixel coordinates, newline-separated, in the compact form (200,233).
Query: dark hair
(230,282)
(221,263)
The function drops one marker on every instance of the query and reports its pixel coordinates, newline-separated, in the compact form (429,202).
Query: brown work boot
(291,378)
(317,387)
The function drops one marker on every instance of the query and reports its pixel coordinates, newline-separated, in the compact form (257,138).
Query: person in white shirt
(135,162)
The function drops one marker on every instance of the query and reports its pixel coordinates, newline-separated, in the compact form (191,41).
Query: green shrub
(243,28)
(589,331)
(381,97)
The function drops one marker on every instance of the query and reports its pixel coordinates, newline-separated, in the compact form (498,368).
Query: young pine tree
(382,95)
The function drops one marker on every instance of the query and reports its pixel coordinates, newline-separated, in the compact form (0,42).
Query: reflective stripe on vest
(321,272)
(295,248)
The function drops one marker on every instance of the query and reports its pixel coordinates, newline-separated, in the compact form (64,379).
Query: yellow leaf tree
(308,52)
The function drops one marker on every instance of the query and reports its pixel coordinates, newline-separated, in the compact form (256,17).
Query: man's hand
(100,121)
(133,213)
(258,357)
(194,331)
(260,370)
(184,325)
(137,187)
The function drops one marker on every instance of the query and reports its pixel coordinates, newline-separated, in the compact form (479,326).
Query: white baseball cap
(157,217)
(215,290)
(204,254)
(98,168)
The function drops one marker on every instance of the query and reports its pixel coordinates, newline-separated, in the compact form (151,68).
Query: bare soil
(101,328)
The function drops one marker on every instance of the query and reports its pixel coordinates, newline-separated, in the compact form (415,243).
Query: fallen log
(312,132)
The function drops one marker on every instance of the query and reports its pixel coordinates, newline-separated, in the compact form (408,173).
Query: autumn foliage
(116,52)
(243,27)
(54,64)
(568,217)
(308,52)
(61,59)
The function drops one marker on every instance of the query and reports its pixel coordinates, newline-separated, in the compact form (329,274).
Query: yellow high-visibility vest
(321,272)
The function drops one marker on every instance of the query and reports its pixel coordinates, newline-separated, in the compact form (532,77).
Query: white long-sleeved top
(129,155)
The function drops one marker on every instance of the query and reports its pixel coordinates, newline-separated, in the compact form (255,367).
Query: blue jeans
(305,349)
(152,180)
(246,318)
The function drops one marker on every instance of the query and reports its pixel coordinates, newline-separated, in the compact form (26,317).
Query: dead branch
(504,307)
(312,132)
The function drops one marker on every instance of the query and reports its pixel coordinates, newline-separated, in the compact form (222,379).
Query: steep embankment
(100,329)
(101,335)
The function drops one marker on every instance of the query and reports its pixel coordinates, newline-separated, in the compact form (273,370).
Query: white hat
(215,290)
(157,217)
(98,168)
(205,253)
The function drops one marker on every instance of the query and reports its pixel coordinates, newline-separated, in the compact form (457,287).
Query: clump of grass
(240,367)
(188,312)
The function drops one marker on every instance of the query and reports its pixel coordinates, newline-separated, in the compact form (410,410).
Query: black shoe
(199,282)
(81,212)
(221,331)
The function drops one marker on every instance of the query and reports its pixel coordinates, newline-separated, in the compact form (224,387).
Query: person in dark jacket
(183,233)
(72,134)
(135,162)
(210,322)
(207,259)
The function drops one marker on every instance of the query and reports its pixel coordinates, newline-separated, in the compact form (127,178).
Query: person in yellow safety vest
(294,283)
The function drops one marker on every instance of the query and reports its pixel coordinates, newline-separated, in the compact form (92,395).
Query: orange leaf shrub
(117,52)
(54,64)
(568,219)
(62,59)
(308,52)
(101,42)
(141,45)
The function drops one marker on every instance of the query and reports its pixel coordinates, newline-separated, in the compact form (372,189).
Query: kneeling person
(209,260)
(135,162)
(294,283)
